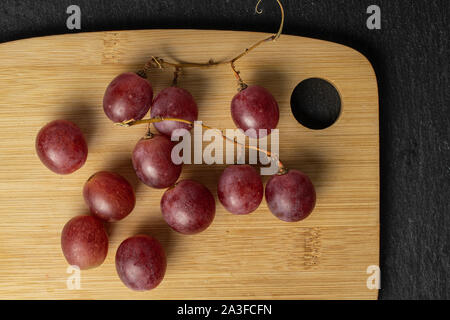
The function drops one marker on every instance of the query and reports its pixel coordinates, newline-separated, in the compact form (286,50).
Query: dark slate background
(411,58)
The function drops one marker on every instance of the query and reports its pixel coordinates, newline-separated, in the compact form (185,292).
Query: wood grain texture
(254,256)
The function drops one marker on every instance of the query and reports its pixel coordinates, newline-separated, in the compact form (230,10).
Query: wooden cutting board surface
(239,257)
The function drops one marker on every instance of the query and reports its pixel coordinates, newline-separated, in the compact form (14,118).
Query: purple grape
(61,147)
(141,262)
(240,189)
(153,163)
(127,97)
(84,242)
(255,108)
(174,102)
(291,197)
(188,207)
(109,196)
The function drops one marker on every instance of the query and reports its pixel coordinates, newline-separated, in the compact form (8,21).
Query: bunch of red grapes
(187,206)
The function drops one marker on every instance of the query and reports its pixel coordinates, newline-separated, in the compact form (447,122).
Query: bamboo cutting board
(239,257)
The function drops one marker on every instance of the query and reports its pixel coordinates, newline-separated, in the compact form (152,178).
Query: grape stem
(160,63)
(132,122)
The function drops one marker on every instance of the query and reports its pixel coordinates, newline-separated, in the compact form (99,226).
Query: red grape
(84,242)
(291,197)
(127,97)
(188,207)
(61,147)
(109,196)
(153,163)
(255,108)
(174,102)
(240,189)
(141,262)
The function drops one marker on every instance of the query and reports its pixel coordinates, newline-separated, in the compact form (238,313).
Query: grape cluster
(187,206)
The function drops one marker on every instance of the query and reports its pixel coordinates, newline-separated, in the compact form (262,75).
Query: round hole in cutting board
(315,103)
